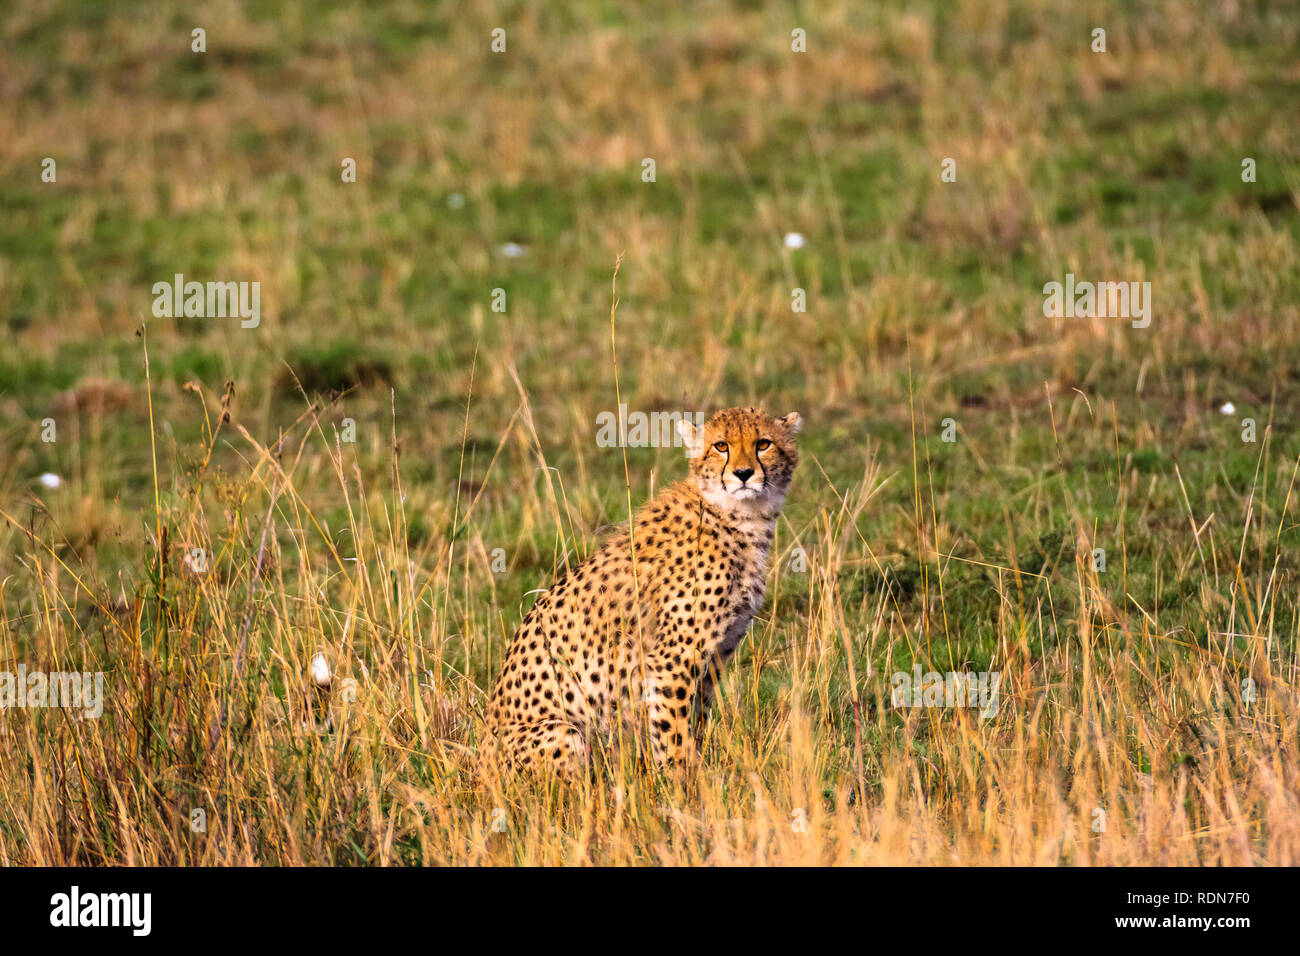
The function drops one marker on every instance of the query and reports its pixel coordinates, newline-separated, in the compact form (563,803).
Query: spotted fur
(630,642)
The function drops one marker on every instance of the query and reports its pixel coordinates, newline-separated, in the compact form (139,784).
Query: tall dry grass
(1104,750)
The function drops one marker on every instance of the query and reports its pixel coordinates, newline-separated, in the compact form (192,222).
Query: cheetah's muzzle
(635,635)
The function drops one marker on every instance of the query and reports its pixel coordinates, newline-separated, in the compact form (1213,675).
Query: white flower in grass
(320,671)
(1227,408)
(50,480)
(795,240)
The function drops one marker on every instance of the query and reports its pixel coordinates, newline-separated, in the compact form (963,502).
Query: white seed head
(320,671)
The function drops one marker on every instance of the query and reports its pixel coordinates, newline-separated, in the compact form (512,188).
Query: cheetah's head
(741,459)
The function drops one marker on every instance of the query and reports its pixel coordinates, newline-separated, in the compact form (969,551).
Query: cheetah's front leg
(674,683)
(668,693)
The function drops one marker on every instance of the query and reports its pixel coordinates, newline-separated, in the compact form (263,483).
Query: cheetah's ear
(690,435)
(792,422)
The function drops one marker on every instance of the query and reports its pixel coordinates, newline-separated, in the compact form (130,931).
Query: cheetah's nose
(743,474)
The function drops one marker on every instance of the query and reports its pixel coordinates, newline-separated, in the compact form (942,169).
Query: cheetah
(632,639)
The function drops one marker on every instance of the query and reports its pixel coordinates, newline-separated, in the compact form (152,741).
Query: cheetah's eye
(720,446)
(763,444)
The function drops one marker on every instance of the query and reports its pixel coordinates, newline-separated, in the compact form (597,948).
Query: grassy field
(213,528)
